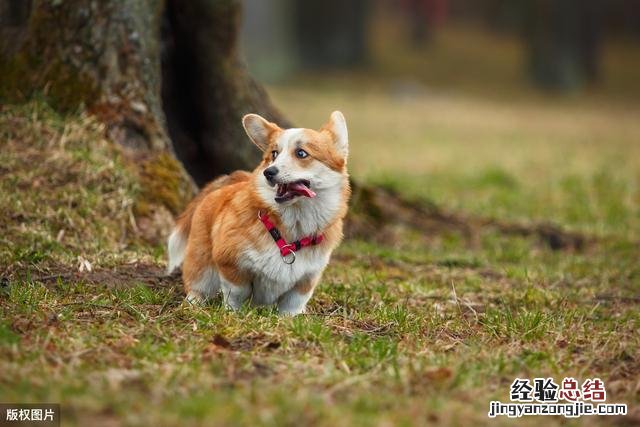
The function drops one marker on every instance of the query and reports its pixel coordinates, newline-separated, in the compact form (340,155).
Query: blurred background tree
(331,33)
(563,41)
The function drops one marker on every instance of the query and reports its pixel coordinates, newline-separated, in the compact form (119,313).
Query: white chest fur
(272,277)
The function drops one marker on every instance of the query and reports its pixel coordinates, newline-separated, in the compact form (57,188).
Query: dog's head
(299,163)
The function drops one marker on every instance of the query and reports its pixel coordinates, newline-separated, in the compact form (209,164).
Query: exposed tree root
(375,209)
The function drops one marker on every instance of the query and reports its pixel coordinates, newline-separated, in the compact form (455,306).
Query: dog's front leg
(234,295)
(294,301)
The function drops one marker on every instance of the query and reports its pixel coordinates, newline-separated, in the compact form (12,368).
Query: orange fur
(183,222)
(229,212)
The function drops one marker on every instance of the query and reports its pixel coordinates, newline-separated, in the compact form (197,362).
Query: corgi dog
(267,236)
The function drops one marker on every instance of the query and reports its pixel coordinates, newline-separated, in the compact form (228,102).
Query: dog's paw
(291,312)
(195,298)
(235,296)
(234,304)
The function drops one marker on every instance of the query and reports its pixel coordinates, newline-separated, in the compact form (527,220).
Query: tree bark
(104,55)
(164,75)
(206,88)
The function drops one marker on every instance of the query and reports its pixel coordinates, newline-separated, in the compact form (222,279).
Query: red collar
(287,249)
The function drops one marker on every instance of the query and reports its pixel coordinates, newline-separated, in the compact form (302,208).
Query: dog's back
(177,242)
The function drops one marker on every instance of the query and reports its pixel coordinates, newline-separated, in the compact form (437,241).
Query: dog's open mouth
(288,191)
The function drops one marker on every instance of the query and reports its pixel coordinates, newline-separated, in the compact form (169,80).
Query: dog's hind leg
(235,285)
(234,295)
(204,287)
(201,278)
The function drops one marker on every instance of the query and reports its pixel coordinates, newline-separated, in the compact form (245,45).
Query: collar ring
(291,252)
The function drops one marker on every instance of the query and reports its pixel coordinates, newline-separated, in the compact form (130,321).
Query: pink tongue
(302,189)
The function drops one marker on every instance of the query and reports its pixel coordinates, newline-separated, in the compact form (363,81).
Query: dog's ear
(337,127)
(259,130)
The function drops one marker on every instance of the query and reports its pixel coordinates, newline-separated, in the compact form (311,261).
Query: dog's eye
(274,154)
(301,154)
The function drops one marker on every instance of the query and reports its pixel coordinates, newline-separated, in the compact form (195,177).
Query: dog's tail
(177,242)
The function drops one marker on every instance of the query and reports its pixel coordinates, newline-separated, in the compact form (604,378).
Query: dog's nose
(270,172)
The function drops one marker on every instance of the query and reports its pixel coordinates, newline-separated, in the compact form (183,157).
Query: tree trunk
(163,75)
(206,88)
(563,39)
(344,45)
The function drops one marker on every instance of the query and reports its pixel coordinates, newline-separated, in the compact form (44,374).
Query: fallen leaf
(438,375)
(217,345)
(221,341)
(125,341)
(273,345)
(53,319)
(84,265)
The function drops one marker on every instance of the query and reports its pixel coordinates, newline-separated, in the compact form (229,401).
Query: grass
(65,189)
(414,330)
